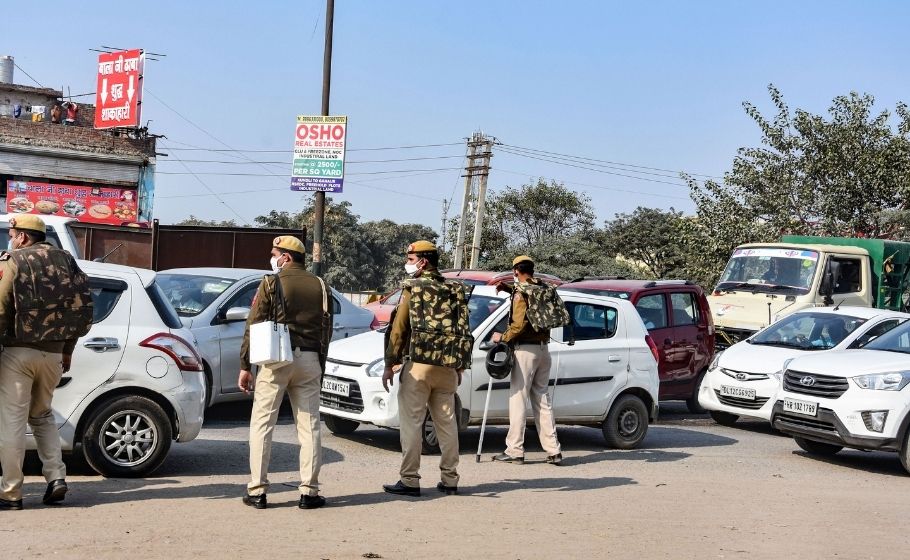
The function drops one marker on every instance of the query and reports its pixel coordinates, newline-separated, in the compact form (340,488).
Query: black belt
(307,349)
(539,343)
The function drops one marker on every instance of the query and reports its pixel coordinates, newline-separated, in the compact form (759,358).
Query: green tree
(194,221)
(844,175)
(387,242)
(649,239)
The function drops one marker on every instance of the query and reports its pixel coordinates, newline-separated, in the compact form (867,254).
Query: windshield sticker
(768,252)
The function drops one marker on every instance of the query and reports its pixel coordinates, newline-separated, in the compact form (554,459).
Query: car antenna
(111,252)
(836,307)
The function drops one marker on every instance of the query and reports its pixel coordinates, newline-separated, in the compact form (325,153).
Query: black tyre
(340,426)
(723,418)
(905,452)
(692,402)
(626,423)
(817,447)
(127,436)
(208,386)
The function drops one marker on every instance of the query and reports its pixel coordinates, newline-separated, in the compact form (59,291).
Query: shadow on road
(873,462)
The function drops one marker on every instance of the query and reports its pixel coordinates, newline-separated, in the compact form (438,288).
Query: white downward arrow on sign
(130,91)
(103,90)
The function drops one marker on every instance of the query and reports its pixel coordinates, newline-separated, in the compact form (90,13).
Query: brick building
(71,167)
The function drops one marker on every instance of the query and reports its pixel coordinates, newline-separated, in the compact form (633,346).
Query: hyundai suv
(677,316)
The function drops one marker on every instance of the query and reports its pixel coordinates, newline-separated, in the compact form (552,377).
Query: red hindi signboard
(100,205)
(119,94)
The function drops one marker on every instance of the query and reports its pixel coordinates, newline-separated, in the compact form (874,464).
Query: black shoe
(258,502)
(506,458)
(311,502)
(56,491)
(401,489)
(10,504)
(554,459)
(449,490)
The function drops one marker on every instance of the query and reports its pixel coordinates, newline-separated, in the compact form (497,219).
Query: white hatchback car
(850,398)
(136,382)
(744,379)
(214,304)
(606,378)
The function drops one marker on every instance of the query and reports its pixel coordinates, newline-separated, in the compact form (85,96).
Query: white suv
(604,373)
(136,381)
(850,398)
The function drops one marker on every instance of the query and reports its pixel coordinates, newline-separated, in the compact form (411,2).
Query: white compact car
(136,381)
(850,398)
(744,379)
(607,378)
(215,302)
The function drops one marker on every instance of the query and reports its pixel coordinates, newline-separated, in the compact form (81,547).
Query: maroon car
(677,316)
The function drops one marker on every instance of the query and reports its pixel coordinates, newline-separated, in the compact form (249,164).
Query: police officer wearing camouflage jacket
(308,316)
(45,305)
(422,387)
(530,372)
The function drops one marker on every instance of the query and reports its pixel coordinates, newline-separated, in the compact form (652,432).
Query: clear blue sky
(657,84)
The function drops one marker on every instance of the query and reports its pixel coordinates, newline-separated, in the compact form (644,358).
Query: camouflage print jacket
(45,302)
(520,329)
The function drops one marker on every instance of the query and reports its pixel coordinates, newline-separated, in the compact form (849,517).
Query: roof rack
(583,278)
(655,283)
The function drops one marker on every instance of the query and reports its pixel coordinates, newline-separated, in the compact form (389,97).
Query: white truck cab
(59,233)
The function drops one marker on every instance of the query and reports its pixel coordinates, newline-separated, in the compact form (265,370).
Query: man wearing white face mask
(309,324)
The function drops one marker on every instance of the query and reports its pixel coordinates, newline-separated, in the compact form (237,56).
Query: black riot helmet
(499,361)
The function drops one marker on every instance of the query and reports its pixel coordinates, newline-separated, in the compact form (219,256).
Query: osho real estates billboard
(319,154)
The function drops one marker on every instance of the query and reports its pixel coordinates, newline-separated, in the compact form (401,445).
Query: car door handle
(337,327)
(613,358)
(102,344)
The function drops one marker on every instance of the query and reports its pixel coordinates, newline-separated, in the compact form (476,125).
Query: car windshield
(191,294)
(808,331)
(770,269)
(601,292)
(895,340)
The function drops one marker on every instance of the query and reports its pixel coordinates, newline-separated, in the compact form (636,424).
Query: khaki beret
(421,247)
(520,259)
(28,222)
(289,243)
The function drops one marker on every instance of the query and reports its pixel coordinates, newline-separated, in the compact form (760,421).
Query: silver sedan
(214,304)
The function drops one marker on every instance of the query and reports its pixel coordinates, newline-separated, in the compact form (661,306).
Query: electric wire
(288,175)
(601,187)
(27,74)
(288,151)
(222,201)
(289,163)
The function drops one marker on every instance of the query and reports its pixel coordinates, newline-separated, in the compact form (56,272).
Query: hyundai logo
(808,381)
(741,376)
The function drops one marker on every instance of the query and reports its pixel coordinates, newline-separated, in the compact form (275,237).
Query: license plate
(801,407)
(342,388)
(738,392)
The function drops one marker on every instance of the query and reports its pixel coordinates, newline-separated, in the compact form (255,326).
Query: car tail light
(375,324)
(178,349)
(653,348)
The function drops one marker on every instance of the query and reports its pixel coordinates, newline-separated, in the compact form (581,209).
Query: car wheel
(127,436)
(817,447)
(905,452)
(723,418)
(627,423)
(340,426)
(692,402)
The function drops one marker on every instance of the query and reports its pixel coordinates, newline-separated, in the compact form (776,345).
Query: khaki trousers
(427,387)
(530,378)
(301,380)
(28,378)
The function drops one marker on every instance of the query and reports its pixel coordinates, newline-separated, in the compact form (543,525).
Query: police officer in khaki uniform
(310,327)
(30,371)
(530,373)
(422,387)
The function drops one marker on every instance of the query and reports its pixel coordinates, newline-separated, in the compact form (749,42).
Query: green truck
(763,282)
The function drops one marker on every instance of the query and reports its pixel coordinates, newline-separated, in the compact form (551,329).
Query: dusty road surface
(695,490)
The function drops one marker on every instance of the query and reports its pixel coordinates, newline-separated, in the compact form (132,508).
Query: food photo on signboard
(103,205)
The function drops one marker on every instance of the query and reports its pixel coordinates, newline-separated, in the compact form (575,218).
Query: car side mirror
(236,314)
(829,280)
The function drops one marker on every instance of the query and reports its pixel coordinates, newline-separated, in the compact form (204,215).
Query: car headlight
(713,364)
(893,381)
(376,369)
(778,375)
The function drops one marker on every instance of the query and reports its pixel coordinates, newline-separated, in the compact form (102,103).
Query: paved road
(694,490)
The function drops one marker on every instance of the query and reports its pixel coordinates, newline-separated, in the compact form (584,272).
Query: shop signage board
(319,148)
(99,205)
(118,97)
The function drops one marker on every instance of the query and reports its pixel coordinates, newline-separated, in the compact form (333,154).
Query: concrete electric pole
(477,164)
(319,206)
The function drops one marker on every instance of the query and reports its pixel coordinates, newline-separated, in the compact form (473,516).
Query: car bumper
(710,395)
(187,400)
(826,426)
(367,401)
